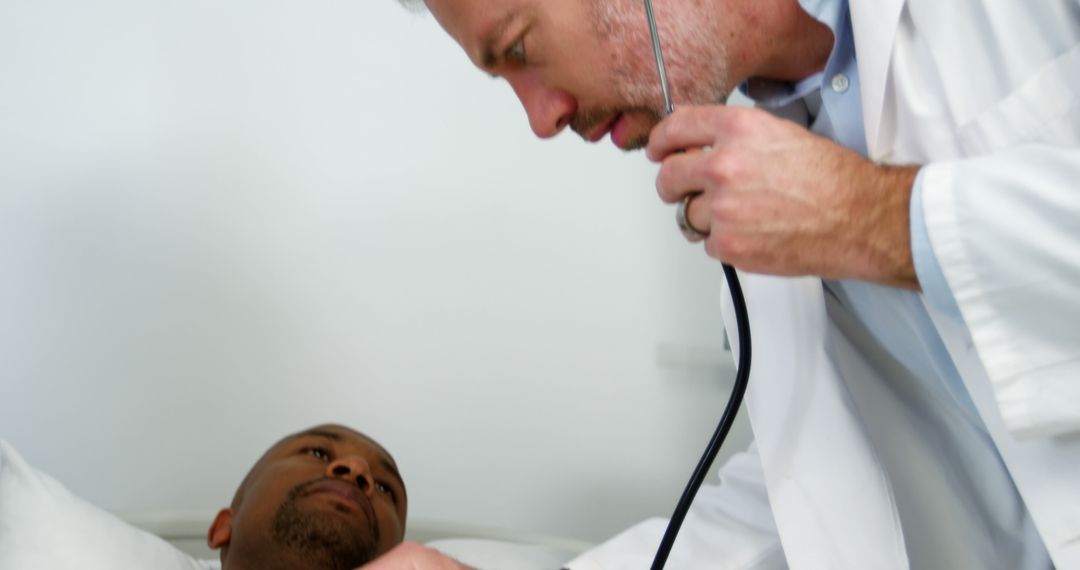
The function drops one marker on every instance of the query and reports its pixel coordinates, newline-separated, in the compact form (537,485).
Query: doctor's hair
(416,6)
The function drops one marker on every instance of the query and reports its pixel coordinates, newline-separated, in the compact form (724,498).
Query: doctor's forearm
(885,220)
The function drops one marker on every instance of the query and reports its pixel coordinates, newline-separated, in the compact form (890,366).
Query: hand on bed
(414,556)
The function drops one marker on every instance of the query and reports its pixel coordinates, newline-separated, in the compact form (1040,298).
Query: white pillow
(43,525)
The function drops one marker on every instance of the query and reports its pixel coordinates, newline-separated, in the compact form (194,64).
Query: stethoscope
(742,372)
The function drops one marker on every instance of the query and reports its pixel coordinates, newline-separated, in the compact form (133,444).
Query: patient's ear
(220,530)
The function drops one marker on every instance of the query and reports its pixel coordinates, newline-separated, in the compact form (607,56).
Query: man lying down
(326,498)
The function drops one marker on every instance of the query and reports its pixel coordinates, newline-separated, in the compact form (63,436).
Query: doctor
(905,209)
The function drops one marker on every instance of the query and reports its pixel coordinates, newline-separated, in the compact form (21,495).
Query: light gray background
(224,221)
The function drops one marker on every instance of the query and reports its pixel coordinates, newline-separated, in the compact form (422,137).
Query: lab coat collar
(874,24)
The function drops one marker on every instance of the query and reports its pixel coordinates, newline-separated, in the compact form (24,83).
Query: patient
(326,498)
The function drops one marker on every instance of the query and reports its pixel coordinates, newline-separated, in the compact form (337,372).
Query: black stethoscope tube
(742,375)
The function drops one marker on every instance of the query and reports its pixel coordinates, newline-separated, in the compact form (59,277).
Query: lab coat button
(840,83)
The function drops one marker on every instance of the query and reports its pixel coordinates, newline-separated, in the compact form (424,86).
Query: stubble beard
(319,538)
(696,65)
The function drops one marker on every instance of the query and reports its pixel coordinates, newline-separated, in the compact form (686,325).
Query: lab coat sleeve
(729,526)
(1005,231)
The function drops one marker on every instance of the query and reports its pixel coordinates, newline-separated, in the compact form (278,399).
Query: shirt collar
(771,94)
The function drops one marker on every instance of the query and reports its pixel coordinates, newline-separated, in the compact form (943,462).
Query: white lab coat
(987,94)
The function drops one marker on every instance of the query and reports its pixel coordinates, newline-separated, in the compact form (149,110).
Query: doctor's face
(588,64)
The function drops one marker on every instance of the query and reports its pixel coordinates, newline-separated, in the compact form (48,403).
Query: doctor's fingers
(696,171)
(700,213)
(414,556)
(700,126)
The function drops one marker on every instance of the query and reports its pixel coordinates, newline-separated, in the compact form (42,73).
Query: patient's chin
(326,538)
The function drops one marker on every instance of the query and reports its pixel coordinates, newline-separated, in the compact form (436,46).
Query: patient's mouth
(346,493)
(319,535)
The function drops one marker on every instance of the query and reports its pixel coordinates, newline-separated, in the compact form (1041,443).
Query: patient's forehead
(335,432)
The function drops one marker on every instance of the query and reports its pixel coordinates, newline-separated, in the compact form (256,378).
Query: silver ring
(687,230)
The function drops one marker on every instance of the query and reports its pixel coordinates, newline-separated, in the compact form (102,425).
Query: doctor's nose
(549,110)
(353,469)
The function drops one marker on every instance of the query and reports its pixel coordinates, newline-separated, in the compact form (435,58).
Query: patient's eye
(319,452)
(385,489)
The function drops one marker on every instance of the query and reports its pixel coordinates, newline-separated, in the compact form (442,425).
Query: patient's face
(327,497)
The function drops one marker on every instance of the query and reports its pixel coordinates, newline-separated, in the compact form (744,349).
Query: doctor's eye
(319,452)
(515,54)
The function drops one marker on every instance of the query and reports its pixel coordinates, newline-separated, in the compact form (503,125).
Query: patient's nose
(354,469)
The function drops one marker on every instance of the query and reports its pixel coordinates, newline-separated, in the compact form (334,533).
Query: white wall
(224,221)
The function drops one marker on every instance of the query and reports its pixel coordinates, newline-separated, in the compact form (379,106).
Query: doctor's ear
(220,530)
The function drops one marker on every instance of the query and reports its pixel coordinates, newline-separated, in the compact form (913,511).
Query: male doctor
(904,205)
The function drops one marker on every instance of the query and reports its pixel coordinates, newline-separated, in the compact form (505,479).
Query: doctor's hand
(778,199)
(414,556)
